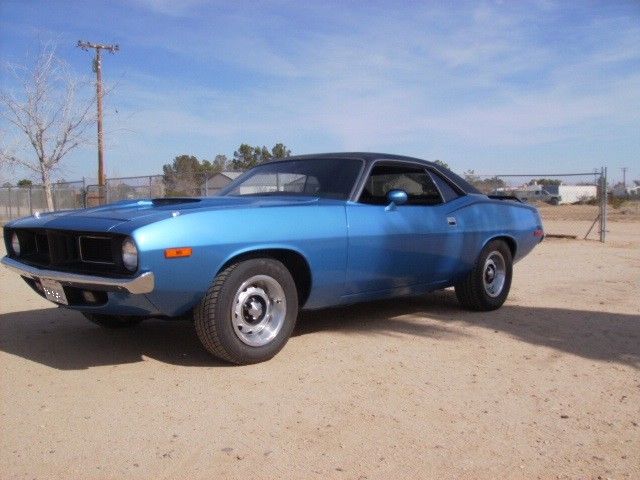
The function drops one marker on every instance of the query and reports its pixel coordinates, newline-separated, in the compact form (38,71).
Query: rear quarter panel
(481,219)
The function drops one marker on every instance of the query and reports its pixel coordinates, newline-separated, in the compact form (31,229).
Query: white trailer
(573,193)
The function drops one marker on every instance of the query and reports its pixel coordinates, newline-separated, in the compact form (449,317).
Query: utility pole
(97,66)
(624,177)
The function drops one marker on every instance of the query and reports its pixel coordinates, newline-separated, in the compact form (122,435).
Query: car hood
(107,217)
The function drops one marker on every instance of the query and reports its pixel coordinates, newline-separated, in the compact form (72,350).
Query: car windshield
(318,177)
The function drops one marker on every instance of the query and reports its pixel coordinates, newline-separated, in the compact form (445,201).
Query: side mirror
(396,197)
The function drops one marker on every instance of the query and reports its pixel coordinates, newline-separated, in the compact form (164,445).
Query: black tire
(112,321)
(216,317)
(475,291)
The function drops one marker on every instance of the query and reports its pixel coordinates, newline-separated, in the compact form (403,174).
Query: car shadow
(63,339)
(604,336)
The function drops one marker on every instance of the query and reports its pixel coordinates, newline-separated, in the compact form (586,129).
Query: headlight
(130,255)
(15,244)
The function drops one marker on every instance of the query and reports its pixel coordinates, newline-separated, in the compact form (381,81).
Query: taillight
(538,233)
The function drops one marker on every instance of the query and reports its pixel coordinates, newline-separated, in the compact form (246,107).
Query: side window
(413,180)
(446,190)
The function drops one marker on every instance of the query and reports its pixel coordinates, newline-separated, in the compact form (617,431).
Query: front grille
(63,247)
(42,243)
(94,249)
(79,252)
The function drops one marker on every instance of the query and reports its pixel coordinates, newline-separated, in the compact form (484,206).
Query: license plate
(53,291)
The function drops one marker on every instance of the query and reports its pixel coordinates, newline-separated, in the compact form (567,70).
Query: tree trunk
(48,194)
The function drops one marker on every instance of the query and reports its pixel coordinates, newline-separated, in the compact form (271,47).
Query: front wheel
(487,285)
(248,312)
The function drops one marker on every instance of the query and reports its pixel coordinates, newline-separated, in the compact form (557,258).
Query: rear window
(457,179)
(447,191)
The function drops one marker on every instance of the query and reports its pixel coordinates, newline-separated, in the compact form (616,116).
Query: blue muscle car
(305,232)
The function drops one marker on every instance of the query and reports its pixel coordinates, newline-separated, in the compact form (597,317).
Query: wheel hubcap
(253,309)
(494,274)
(258,310)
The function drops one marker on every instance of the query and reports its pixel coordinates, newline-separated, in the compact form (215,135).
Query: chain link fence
(16,202)
(126,188)
(572,205)
(156,186)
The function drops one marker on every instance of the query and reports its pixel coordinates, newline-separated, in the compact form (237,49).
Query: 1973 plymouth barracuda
(306,232)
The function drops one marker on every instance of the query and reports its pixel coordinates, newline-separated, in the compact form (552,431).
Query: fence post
(10,209)
(601,189)
(603,204)
(150,186)
(30,200)
(84,193)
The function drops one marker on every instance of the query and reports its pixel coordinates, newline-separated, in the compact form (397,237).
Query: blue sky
(498,87)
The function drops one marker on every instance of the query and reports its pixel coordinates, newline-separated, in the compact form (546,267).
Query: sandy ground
(578,220)
(546,387)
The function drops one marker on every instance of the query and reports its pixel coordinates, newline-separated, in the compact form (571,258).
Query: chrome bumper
(143,283)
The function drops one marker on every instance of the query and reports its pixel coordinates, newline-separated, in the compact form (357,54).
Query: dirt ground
(578,220)
(546,387)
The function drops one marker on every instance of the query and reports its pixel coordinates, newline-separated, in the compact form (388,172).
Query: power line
(97,66)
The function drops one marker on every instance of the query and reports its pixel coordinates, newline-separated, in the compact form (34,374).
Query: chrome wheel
(494,274)
(258,310)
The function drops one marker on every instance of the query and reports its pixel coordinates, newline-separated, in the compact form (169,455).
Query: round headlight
(15,244)
(130,255)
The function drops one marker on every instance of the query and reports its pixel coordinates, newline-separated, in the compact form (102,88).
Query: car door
(395,246)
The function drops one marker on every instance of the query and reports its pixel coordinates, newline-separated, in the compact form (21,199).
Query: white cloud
(359,84)
(483,77)
(174,8)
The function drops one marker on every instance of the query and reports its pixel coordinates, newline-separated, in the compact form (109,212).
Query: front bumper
(143,283)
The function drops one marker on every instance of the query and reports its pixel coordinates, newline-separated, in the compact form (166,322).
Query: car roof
(369,157)
(366,156)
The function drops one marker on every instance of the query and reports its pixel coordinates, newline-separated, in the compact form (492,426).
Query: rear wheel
(112,321)
(487,285)
(248,312)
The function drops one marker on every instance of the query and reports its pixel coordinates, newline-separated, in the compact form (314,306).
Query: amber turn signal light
(180,252)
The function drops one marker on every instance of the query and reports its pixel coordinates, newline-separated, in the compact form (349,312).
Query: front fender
(316,232)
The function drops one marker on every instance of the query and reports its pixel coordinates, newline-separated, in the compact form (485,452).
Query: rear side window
(447,191)
(414,180)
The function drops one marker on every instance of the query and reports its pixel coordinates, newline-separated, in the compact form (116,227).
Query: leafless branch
(48,113)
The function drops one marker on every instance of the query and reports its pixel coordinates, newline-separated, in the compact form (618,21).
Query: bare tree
(47,113)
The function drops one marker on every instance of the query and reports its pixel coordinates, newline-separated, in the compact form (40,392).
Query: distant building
(221,180)
(553,194)
(573,193)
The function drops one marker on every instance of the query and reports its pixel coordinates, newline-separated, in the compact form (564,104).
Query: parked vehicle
(306,232)
(529,195)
